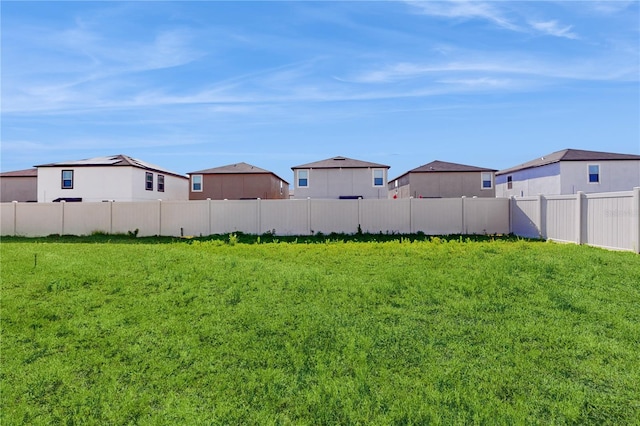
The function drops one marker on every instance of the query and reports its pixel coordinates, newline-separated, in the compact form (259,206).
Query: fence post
(359,213)
(15,217)
(464,222)
(209,216)
(579,206)
(308,215)
(635,217)
(542,226)
(110,216)
(259,218)
(411,230)
(159,217)
(62,203)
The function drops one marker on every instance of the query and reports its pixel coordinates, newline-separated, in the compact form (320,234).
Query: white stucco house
(569,171)
(340,178)
(115,177)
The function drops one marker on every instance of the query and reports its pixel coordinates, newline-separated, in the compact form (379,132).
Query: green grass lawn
(395,332)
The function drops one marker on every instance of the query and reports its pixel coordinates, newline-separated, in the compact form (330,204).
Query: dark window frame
(148,185)
(160,183)
(62,179)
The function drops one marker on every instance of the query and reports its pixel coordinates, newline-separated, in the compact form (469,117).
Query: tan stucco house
(19,185)
(441,179)
(114,177)
(340,178)
(237,182)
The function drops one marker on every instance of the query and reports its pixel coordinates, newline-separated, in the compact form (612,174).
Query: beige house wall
(442,185)
(18,188)
(225,186)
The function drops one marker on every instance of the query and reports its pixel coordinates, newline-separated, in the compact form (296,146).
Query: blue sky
(195,85)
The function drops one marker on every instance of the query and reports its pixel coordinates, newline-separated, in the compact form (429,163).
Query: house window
(67,179)
(303,178)
(149,181)
(196,183)
(281,188)
(160,183)
(509,182)
(487,182)
(395,183)
(378,177)
(594,173)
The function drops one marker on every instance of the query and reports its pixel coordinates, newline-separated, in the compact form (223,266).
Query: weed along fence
(282,217)
(608,220)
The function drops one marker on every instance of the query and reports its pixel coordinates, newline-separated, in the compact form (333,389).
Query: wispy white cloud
(553,28)
(465,9)
(494,12)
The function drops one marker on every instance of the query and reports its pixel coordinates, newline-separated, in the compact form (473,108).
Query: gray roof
(21,173)
(445,167)
(112,161)
(340,163)
(569,155)
(237,168)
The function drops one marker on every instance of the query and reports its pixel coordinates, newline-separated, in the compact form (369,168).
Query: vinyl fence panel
(39,219)
(439,216)
(8,218)
(340,216)
(87,218)
(609,220)
(142,217)
(486,215)
(290,217)
(526,218)
(181,218)
(386,216)
(559,218)
(229,216)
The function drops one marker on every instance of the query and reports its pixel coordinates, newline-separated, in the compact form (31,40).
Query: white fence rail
(283,217)
(608,220)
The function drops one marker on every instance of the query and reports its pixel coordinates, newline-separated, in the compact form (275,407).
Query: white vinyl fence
(282,217)
(608,220)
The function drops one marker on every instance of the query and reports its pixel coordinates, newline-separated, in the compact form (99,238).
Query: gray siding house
(569,171)
(340,178)
(19,185)
(440,179)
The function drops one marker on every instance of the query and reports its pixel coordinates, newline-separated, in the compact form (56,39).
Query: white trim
(192,183)
(482,180)
(298,178)
(373,180)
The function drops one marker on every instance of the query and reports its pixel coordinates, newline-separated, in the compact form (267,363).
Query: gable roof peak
(340,162)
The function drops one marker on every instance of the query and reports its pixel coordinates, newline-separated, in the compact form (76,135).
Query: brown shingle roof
(340,163)
(238,168)
(21,173)
(444,167)
(569,155)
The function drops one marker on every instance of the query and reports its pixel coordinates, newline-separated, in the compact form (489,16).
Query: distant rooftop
(21,173)
(445,167)
(569,155)
(340,163)
(237,168)
(111,161)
